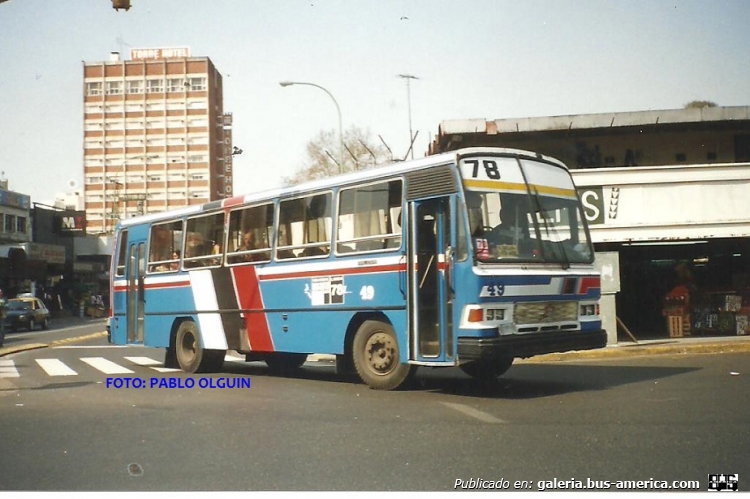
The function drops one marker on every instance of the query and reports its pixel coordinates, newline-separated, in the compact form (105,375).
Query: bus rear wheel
(376,358)
(191,356)
(487,370)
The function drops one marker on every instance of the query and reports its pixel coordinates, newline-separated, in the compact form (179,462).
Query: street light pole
(408,100)
(338,110)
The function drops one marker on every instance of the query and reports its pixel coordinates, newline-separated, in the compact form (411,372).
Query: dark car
(27,313)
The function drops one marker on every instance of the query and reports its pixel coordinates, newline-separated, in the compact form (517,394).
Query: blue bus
(470,258)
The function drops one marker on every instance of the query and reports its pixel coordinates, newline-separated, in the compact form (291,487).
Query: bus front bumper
(529,344)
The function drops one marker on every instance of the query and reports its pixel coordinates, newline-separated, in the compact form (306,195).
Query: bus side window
(368,217)
(248,234)
(205,240)
(121,254)
(164,240)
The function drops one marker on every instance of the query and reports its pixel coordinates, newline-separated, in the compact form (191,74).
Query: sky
(490,59)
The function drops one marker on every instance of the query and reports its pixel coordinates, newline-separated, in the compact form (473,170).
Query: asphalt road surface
(69,424)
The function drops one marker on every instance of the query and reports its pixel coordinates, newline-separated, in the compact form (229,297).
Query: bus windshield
(530,212)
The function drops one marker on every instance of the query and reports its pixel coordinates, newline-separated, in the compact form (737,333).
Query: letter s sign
(593,204)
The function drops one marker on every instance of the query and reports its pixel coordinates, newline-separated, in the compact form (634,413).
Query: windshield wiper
(550,229)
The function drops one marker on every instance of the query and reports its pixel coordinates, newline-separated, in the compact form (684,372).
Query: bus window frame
(290,248)
(121,253)
(210,259)
(387,237)
(236,257)
(164,265)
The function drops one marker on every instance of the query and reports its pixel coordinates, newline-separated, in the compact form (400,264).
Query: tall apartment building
(155,135)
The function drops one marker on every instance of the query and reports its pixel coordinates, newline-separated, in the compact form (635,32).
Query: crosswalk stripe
(151,363)
(55,367)
(143,361)
(106,366)
(8,369)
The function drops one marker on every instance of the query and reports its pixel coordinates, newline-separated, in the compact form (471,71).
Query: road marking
(474,413)
(152,363)
(106,366)
(55,367)
(144,361)
(8,369)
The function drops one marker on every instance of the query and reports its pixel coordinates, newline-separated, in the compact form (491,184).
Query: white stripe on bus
(204,297)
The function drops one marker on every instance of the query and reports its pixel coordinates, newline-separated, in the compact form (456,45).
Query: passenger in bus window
(176,264)
(248,241)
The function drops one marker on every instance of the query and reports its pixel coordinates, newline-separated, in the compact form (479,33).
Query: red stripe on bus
(165,285)
(249,297)
(153,285)
(231,202)
(344,271)
(588,283)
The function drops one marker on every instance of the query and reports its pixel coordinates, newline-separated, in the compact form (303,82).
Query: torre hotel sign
(159,53)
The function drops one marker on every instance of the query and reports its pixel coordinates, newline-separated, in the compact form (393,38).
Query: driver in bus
(474,210)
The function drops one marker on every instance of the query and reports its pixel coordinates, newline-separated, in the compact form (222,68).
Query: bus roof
(337,181)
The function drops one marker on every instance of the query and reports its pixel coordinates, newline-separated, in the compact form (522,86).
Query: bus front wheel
(376,358)
(191,356)
(487,370)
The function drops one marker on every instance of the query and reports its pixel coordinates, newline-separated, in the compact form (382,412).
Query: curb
(646,350)
(36,346)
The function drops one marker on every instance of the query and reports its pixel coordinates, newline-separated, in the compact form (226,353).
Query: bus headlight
(482,316)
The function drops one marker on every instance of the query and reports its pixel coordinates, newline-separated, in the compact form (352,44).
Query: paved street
(663,417)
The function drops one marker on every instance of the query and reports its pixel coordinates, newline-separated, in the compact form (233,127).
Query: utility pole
(408,100)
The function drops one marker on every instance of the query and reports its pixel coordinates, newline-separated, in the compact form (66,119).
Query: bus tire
(376,359)
(487,370)
(284,363)
(191,356)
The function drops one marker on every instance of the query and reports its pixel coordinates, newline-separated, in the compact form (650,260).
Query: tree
(360,153)
(698,104)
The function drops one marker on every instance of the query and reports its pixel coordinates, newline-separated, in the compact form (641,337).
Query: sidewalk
(673,346)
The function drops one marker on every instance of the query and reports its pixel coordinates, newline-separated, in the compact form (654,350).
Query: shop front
(682,235)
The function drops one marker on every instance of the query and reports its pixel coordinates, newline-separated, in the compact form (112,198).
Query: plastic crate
(675,325)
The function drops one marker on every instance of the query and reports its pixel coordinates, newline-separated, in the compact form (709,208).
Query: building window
(175,84)
(155,85)
(94,88)
(197,83)
(21,225)
(197,104)
(135,86)
(9,223)
(113,87)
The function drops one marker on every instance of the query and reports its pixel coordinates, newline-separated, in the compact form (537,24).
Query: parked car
(27,313)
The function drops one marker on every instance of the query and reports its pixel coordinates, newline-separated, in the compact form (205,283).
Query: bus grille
(545,312)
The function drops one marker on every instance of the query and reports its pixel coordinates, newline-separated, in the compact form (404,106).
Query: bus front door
(135,299)
(430,299)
